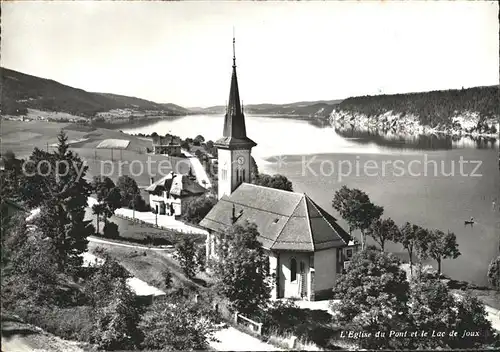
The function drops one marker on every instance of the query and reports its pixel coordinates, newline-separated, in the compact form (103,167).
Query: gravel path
(232,339)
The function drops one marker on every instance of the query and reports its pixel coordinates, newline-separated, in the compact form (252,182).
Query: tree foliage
(242,273)
(442,246)
(408,237)
(432,108)
(111,230)
(56,182)
(117,323)
(108,198)
(99,285)
(30,275)
(176,326)
(373,296)
(11,176)
(434,308)
(355,207)
(130,194)
(185,253)
(383,230)
(494,273)
(195,209)
(275,181)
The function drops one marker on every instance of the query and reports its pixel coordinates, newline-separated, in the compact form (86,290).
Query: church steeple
(234,132)
(234,148)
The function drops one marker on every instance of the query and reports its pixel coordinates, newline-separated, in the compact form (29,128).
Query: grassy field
(22,137)
(148,265)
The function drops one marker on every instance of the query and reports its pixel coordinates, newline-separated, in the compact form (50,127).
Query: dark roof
(234,134)
(285,220)
(167,140)
(179,185)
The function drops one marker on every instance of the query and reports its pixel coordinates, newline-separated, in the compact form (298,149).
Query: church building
(307,248)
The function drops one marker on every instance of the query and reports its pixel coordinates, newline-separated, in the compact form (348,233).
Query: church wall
(224,172)
(273,269)
(230,173)
(287,287)
(325,269)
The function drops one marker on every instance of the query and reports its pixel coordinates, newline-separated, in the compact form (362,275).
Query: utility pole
(133,202)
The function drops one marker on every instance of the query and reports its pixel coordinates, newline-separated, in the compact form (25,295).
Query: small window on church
(349,253)
(293,270)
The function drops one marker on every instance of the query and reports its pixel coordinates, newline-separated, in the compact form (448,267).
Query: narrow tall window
(293,270)
(244,173)
(237,173)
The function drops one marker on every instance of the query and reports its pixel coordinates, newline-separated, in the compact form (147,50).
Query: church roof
(285,220)
(178,185)
(234,133)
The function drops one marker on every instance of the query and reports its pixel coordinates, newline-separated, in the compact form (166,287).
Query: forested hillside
(433,108)
(471,110)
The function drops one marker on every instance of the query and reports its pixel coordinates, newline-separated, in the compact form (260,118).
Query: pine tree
(56,184)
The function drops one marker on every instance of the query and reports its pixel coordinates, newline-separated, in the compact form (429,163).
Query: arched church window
(293,269)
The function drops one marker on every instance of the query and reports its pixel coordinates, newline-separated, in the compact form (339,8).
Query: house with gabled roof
(167,194)
(307,248)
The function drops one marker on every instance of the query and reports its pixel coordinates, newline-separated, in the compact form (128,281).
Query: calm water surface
(416,179)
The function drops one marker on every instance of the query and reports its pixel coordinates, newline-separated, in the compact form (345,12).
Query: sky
(181,52)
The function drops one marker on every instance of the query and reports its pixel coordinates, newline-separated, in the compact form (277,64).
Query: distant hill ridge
(473,109)
(21,91)
(320,108)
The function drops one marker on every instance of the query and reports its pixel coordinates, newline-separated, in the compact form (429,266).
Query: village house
(308,250)
(168,145)
(167,194)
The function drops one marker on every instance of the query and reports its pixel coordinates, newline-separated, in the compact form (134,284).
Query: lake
(435,182)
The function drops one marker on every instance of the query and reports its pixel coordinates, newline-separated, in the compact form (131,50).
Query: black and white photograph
(250,175)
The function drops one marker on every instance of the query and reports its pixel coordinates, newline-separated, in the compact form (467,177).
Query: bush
(285,318)
(201,258)
(177,326)
(186,255)
(195,210)
(111,230)
(116,326)
(167,278)
(74,323)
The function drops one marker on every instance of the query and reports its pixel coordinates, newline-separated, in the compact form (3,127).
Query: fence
(257,327)
(156,226)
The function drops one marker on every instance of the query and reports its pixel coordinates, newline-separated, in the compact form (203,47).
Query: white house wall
(325,267)
(176,202)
